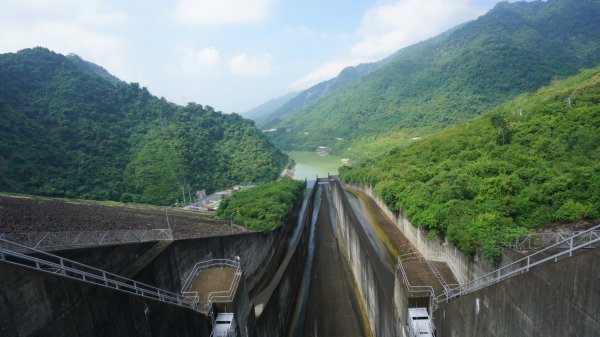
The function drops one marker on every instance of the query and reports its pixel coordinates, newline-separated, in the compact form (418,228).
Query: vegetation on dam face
(263,207)
(524,165)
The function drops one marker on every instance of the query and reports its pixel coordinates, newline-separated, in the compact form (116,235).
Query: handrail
(574,243)
(225,295)
(73,239)
(13,253)
(212,296)
(416,290)
(539,240)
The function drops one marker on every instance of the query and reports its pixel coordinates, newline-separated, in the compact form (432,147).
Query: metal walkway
(559,250)
(65,240)
(19,255)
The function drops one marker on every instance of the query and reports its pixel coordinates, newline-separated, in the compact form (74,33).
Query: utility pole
(189,193)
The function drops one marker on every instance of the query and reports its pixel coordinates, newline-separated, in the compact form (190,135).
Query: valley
(424,169)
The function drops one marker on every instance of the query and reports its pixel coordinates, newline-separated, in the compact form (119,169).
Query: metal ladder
(438,275)
(19,255)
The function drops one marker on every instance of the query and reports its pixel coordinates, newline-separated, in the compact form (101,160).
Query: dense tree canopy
(526,164)
(70,129)
(515,48)
(264,207)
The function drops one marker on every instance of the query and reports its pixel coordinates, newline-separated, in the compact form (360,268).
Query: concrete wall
(283,290)
(375,281)
(39,304)
(556,299)
(464,268)
(172,266)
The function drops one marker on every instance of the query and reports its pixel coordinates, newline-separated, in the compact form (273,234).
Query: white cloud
(386,28)
(206,61)
(83,29)
(257,65)
(218,12)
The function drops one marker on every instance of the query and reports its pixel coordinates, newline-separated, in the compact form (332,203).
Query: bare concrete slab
(211,280)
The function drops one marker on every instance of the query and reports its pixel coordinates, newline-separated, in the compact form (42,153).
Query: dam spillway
(326,258)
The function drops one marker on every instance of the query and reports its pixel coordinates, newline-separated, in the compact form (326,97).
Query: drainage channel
(327,304)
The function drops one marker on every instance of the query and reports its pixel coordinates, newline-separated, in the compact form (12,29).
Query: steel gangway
(23,256)
(559,250)
(76,239)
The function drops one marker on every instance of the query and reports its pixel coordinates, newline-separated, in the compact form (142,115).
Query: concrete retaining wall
(464,268)
(283,290)
(375,281)
(38,304)
(556,299)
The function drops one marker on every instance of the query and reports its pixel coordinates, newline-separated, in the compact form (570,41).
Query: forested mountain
(70,129)
(526,164)
(346,77)
(259,113)
(514,48)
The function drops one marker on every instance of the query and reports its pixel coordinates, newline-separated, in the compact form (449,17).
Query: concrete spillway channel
(328,304)
(329,272)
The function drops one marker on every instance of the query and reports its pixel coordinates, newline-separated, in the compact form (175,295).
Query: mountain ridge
(514,48)
(524,165)
(68,130)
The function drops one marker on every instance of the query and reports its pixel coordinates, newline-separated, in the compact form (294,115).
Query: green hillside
(347,76)
(526,164)
(514,48)
(69,129)
(259,113)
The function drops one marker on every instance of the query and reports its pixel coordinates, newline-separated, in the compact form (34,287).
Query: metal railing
(20,255)
(214,296)
(438,275)
(413,290)
(543,239)
(566,248)
(65,240)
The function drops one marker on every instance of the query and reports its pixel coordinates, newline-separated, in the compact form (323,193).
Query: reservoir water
(310,164)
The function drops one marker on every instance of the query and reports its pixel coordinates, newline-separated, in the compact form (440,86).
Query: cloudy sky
(230,54)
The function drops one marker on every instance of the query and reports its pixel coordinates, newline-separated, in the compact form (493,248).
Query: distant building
(323,150)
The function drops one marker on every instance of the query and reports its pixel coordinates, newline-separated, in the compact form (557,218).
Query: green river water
(310,164)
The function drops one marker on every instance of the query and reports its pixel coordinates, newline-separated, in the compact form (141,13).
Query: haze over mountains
(514,48)
(70,129)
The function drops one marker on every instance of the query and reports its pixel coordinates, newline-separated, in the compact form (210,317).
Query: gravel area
(23,214)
